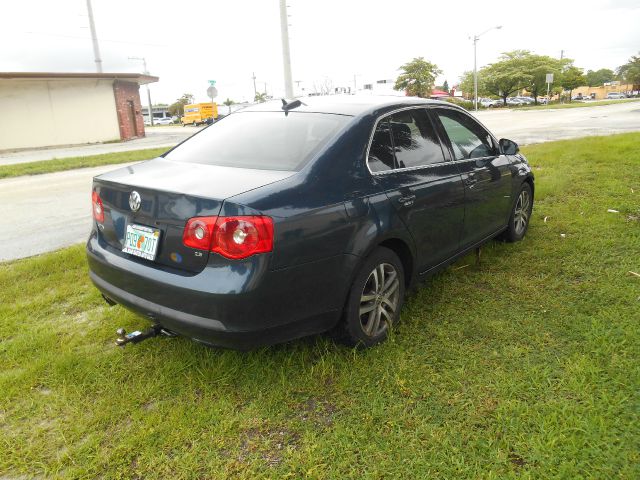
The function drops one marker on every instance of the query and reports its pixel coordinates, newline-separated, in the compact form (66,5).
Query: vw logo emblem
(134,201)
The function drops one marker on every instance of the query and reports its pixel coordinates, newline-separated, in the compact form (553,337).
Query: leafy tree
(599,77)
(630,71)
(228,102)
(537,67)
(571,78)
(466,84)
(445,86)
(176,109)
(505,77)
(417,78)
(260,97)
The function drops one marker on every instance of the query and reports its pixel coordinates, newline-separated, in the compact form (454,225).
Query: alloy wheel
(379,299)
(522,212)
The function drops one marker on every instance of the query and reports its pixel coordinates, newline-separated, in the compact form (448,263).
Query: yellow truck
(197,113)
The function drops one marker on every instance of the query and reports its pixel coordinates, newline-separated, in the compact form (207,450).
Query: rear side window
(261,140)
(468,138)
(381,156)
(414,139)
(403,140)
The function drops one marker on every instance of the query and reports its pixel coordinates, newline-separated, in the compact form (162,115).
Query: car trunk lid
(169,194)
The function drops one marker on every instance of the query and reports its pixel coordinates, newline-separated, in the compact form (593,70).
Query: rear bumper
(239,305)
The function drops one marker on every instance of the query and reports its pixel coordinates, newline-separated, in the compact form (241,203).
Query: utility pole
(94,38)
(475,69)
(255,90)
(286,54)
(561,54)
(146,72)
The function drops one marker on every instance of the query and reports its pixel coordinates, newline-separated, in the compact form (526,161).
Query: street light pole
(475,61)
(146,72)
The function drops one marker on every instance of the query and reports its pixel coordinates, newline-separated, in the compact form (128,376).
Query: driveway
(64,198)
(165,136)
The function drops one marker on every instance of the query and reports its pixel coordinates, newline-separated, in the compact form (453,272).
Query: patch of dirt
(516,459)
(320,412)
(270,444)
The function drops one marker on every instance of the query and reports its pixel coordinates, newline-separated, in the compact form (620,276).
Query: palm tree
(228,102)
(260,97)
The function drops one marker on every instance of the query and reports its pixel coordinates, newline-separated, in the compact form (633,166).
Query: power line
(89,38)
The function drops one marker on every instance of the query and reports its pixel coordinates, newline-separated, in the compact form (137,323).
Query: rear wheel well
(401,249)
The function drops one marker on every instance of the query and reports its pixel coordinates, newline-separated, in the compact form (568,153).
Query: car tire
(374,302)
(520,215)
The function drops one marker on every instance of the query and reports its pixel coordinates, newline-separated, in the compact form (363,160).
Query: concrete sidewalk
(156,137)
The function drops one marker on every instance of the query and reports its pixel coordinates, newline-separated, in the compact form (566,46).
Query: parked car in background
(163,121)
(489,102)
(288,219)
(615,95)
(543,100)
(526,100)
(514,102)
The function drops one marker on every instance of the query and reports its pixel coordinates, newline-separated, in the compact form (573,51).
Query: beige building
(48,109)
(599,93)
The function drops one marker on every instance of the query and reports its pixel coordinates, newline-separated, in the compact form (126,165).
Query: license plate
(141,241)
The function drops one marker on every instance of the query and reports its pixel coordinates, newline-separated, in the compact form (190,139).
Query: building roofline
(139,78)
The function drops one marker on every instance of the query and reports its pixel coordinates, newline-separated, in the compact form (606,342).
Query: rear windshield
(261,140)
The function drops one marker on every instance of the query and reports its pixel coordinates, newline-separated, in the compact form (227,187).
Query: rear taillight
(97,208)
(198,232)
(231,237)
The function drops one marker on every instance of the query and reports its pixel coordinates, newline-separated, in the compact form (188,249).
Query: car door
(408,161)
(486,174)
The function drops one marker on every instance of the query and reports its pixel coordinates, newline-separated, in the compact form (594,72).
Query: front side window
(468,138)
(403,140)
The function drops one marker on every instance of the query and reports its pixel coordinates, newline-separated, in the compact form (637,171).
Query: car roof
(344,104)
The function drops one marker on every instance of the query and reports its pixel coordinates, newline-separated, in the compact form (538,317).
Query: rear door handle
(407,200)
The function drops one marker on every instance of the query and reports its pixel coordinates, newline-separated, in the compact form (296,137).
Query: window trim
(417,167)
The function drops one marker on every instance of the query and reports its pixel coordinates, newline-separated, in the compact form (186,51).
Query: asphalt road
(42,213)
(155,137)
(535,126)
(45,212)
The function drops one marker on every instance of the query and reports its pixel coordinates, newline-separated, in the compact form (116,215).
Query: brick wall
(125,92)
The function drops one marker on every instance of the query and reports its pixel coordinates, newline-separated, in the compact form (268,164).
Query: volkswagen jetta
(286,220)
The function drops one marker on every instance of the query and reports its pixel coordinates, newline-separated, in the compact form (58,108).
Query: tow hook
(139,336)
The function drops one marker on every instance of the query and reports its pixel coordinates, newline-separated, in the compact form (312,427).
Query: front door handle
(407,200)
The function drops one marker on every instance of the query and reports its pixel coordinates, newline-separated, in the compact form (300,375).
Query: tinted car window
(468,138)
(381,152)
(261,140)
(414,139)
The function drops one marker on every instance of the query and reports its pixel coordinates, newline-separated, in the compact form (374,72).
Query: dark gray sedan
(290,219)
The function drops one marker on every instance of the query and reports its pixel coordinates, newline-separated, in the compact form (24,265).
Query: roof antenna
(286,106)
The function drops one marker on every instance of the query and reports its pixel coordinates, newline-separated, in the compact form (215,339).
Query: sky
(190,42)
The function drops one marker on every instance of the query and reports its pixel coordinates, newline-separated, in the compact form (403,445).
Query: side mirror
(509,147)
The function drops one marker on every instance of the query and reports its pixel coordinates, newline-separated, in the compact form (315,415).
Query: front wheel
(520,215)
(375,300)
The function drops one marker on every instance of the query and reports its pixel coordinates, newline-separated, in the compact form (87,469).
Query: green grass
(60,164)
(527,366)
(577,104)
